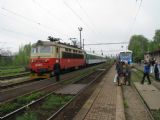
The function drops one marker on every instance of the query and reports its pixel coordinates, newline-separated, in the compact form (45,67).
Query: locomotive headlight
(32,61)
(46,60)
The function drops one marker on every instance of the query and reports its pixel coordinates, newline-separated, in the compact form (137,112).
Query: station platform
(4,83)
(150,94)
(105,103)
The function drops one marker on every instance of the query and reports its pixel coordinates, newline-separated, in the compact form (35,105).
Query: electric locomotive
(126,56)
(45,53)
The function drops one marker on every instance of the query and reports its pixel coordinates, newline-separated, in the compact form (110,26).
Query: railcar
(45,53)
(125,56)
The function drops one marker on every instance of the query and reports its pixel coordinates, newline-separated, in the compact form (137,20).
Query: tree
(138,45)
(23,55)
(156,39)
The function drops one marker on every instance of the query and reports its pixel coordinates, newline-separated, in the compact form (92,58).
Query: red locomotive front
(45,53)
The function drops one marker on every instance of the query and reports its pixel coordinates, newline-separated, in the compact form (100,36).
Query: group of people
(123,75)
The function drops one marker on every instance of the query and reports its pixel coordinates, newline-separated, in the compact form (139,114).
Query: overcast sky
(103,21)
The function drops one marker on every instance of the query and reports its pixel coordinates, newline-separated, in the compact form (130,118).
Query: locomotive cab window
(45,49)
(34,50)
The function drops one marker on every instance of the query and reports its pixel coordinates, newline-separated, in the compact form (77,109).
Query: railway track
(134,104)
(33,105)
(20,90)
(13,80)
(10,77)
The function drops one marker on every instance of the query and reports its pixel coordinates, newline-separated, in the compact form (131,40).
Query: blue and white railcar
(125,56)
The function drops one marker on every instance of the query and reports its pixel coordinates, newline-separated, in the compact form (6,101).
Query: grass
(28,116)
(156,114)
(27,99)
(19,102)
(52,102)
(8,107)
(125,104)
(55,101)
(6,72)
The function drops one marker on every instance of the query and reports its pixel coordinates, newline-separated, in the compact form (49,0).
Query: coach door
(57,52)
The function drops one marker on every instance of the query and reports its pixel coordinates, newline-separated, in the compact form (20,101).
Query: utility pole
(83,44)
(80,29)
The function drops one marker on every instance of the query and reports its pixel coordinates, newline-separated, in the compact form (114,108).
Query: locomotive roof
(126,51)
(49,43)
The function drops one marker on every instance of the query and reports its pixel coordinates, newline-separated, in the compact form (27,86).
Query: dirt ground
(134,108)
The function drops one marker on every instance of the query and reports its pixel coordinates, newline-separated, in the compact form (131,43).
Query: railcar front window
(45,49)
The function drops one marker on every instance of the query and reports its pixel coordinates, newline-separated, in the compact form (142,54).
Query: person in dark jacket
(57,69)
(156,71)
(128,74)
(119,69)
(146,73)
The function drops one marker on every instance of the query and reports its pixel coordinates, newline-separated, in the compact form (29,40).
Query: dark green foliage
(11,106)
(21,58)
(138,45)
(8,107)
(141,45)
(157,36)
(28,116)
(55,101)
(156,114)
(27,99)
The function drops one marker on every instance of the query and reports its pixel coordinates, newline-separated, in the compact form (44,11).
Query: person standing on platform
(152,63)
(119,69)
(156,71)
(57,69)
(146,73)
(128,74)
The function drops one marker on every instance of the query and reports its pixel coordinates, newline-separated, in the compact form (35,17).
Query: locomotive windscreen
(41,49)
(125,56)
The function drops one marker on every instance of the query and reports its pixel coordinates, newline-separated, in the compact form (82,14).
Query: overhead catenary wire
(84,11)
(47,11)
(77,15)
(107,43)
(135,18)
(17,33)
(31,20)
